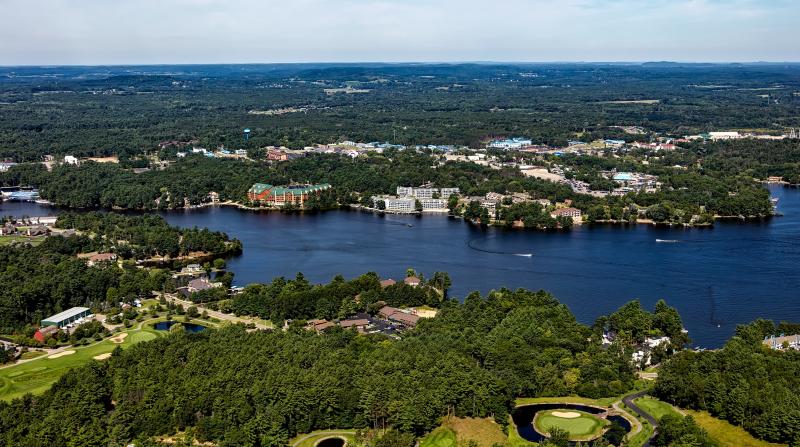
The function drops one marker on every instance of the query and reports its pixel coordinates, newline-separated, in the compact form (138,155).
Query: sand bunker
(566,414)
(119,338)
(61,354)
(102,356)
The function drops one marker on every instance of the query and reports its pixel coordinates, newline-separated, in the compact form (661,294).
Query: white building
(397,204)
(425,193)
(510,143)
(724,135)
(70,160)
(432,204)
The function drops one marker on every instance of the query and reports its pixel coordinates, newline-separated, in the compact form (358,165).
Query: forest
(42,280)
(236,387)
(685,194)
(745,383)
(89,111)
(297,299)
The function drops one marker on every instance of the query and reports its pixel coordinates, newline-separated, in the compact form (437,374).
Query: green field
(655,407)
(584,427)
(727,434)
(311,439)
(441,437)
(37,375)
(16,238)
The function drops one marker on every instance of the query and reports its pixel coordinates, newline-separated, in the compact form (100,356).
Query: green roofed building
(68,316)
(281,195)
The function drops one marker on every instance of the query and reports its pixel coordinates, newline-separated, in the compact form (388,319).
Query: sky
(91,32)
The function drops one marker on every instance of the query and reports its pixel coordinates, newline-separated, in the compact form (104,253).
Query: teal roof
(259,188)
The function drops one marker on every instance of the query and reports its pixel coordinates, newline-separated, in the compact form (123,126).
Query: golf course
(36,376)
(580,425)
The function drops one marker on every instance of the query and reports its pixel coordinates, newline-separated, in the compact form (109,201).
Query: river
(717,277)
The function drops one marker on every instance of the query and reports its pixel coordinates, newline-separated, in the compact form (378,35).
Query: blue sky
(231,31)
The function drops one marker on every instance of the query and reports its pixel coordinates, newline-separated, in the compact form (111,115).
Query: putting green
(580,425)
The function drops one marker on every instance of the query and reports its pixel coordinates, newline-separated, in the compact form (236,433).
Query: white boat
(667,241)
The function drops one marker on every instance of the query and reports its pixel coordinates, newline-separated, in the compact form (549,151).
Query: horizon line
(411,62)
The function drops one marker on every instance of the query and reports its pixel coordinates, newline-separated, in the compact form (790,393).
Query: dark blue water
(718,277)
(190,327)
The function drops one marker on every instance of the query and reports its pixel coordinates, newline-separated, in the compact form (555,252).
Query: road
(213,313)
(628,401)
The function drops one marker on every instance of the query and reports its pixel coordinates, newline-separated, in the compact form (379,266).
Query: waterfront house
(412,281)
(387,282)
(783,342)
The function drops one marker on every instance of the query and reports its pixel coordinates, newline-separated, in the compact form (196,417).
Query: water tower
(246,134)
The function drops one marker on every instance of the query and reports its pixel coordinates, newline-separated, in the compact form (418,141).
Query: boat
(527,255)
(667,241)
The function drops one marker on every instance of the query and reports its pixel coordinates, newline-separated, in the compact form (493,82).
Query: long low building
(68,316)
(282,195)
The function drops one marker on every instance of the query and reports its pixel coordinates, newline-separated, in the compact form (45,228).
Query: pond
(331,442)
(523,418)
(189,327)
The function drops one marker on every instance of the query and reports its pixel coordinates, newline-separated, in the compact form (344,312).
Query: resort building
(433,204)
(43,333)
(282,195)
(68,316)
(396,204)
(425,192)
(398,316)
(574,213)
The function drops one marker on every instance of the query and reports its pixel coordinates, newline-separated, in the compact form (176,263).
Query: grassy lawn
(38,375)
(584,426)
(310,439)
(727,434)
(31,355)
(440,437)
(10,239)
(655,407)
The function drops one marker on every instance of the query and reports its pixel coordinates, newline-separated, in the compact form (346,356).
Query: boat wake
(471,245)
(667,241)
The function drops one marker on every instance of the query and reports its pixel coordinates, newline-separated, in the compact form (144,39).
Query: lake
(717,277)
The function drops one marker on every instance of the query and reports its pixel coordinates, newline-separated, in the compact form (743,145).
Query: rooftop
(69,313)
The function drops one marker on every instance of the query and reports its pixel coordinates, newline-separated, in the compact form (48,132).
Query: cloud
(205,31)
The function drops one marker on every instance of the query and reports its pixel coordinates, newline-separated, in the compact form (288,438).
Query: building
(6,165)
(433,204)
(43,333)
(783,342)
(425,192)
(387,282)
(67,317)
(319,325)
(70,160)
(100,258)
(396,204)
(199,284)
(574,213)
(359,323)
(724,135)
(397,315)
(510,143)
(282,195)
(412,281)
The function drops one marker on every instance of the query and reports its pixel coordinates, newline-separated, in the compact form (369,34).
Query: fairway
(36,376)
(655,407)
(579,425)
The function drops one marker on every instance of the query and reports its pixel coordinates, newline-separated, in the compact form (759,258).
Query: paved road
(213,313)
(628,400)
